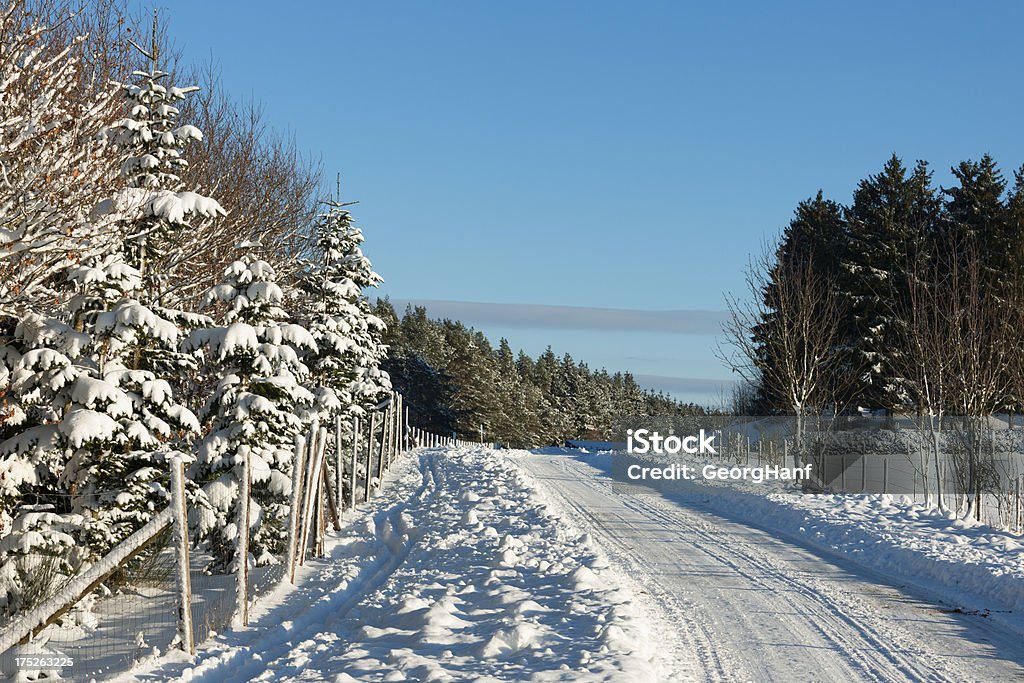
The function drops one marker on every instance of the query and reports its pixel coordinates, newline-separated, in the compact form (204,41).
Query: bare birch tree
(785,336)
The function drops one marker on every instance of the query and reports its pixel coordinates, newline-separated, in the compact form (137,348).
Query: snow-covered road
(731,601)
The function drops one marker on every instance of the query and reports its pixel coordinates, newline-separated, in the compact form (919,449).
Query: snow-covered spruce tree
(86,465)
(38,530)
(120,485)
(346,370)
(888,226)
(153,143)
(157,214)
(254,409)
(122,303)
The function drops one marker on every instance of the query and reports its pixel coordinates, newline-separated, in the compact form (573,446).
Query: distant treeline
(454,380)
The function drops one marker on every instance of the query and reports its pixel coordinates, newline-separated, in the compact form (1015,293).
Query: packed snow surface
(744,583)
(457,572)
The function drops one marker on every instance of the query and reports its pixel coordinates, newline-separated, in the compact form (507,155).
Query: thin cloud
(686,385)
(696,322)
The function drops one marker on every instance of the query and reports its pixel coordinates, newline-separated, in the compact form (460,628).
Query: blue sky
(610,155)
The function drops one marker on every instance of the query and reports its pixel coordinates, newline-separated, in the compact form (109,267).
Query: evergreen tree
(427,391)
(349,336)
(254,409)
(454,380)
(976,217)
(1015,226)
(889,224)
(512,420)
(120,484)
(37,517)
(123,300)
(154,206)
(420,333)
(92,434)
(472,366)
(534,403)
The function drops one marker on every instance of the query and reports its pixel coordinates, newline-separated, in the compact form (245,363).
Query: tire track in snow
(874,657)
(423,586)
(735,580)
(707,662)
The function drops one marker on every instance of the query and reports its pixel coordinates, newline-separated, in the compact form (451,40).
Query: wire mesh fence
(132,612)
(135,615)
(131,616)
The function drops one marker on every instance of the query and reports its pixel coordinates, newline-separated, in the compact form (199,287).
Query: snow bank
(965,562)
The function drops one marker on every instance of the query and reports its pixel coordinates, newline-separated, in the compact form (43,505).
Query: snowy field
(517,566)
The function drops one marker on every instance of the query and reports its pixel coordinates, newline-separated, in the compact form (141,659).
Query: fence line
(179,601)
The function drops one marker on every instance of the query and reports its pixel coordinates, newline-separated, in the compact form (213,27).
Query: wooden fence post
(369,455)
(403,421)
(318,544)
(312,491)
(405,432)
(393,446)
(308,482)
(332,507)
(180,524)
(400,415)
(355,457)
(396,424)
(339,464)
(241,617)
(1020,513)
(383,446)
(385,443)
(298,465)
